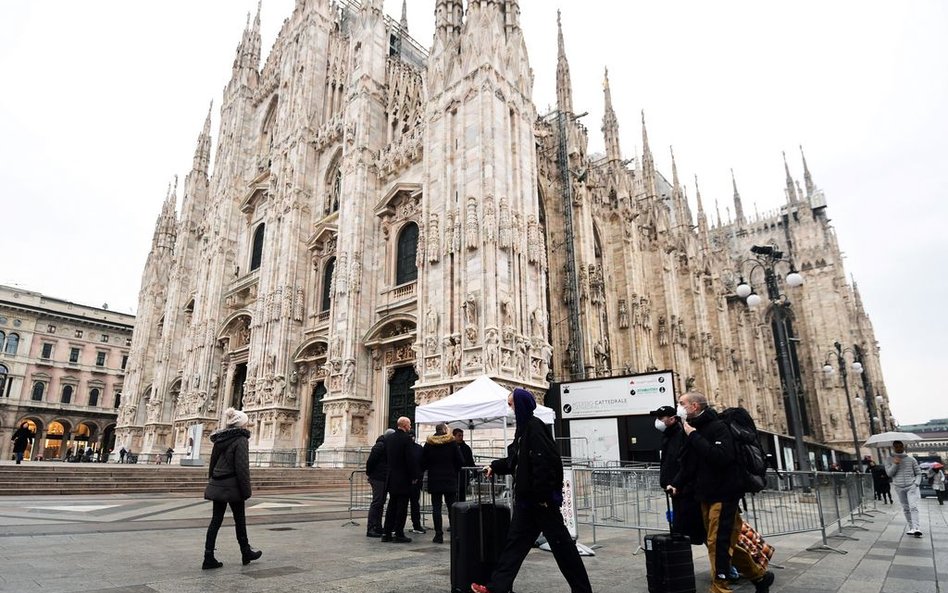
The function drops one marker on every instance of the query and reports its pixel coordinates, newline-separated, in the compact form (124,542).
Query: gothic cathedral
(385,223)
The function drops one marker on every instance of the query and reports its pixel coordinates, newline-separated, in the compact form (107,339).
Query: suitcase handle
(669,513)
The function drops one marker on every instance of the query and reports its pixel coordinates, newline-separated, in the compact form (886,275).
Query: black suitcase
(669,567)
(478,534)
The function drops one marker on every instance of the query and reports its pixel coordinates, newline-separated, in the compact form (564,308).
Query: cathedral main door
(317,417)
(401,397)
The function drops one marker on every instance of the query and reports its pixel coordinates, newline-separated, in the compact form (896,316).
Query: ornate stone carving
(434,238)
(490,221)
(623,315)
(505,224)
(471,224)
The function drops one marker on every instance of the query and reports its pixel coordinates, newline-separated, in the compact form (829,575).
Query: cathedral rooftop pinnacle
(738,206)
(610,124)
(564,87)
(791,190)
(807,178)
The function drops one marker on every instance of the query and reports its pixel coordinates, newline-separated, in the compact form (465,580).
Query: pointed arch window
(13,342)
(326,300)
(256,252)
(406,267)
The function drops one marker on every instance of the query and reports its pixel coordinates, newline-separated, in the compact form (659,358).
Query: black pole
(783,351)
(849,402)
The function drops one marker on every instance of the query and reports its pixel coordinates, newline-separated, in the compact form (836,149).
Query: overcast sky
(103,101)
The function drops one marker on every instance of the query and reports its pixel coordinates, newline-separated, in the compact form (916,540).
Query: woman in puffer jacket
(229,484)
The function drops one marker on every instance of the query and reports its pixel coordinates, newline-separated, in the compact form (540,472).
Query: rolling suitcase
(478,534)
(669,567)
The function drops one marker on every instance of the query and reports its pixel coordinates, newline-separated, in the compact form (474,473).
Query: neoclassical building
(384,223)
(62,370)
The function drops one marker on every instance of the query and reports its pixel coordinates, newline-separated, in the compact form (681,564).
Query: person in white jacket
(905,473)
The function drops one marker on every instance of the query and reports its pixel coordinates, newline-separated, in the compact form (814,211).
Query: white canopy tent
(482,404)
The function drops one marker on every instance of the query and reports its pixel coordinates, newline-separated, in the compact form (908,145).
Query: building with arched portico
(61,371)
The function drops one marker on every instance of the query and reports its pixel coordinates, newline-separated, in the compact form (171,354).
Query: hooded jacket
(535,464)
(717,476)
(905,473)
(230,457)
(441,457)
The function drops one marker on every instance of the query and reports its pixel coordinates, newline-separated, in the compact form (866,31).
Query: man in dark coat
(686,513)
(21,440)
(414,499)
(719,488)
(401,473)
(376,469)
(467,457)
(441,458)
(533,460)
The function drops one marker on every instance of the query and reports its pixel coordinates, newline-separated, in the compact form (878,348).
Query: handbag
(753,543)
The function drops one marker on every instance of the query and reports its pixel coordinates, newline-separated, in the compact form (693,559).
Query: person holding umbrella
(905,474)
(937,479)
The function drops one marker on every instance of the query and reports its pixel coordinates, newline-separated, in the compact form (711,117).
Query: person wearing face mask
(717,486)
(904,471)
(686,514)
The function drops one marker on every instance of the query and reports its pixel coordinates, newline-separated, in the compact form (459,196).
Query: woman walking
(229,483)
(441,457)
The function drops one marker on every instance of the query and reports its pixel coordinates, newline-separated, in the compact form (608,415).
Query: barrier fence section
(793,502)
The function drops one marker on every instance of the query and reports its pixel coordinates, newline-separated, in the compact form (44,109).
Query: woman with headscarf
(537,469)
(229,484)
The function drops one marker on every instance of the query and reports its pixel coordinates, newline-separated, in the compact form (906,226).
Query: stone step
(118,479)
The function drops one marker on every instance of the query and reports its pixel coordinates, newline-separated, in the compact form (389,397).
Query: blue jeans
(19,457)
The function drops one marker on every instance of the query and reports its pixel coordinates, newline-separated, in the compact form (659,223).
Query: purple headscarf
(524,404)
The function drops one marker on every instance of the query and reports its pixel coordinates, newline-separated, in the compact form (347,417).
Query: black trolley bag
(478,534)
(669,567)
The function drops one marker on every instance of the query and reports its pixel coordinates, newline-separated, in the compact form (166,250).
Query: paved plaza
(138,544)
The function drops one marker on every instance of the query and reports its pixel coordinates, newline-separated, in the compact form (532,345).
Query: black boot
(248,554)
(210,561)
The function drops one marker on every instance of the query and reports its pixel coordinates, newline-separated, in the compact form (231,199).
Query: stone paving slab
(147,545)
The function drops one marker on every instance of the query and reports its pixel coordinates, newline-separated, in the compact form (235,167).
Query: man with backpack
(718,483)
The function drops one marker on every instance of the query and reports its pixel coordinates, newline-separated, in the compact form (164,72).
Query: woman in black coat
(229,483)
(441,457)
(533,460)
(21,439)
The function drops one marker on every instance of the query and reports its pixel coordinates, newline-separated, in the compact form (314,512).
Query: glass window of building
(100,359)
(38,389)
(67,394)
(73,355)
(47,350)
(13,342)
(406,268)
(94,397)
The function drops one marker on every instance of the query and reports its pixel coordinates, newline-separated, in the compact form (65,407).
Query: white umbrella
(885,439)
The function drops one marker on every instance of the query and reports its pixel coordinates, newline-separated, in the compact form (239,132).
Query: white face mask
(681,412)
(660,425)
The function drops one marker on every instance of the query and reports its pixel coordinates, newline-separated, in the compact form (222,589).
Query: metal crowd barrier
(793,502)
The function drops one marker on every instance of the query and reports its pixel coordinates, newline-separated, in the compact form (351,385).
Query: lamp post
(873,404)
(766,258)
(856,366)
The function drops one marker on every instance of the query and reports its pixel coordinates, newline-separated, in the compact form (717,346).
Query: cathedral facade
(385,223)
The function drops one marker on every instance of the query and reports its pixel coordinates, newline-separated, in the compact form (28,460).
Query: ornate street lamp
(766,257)
(856,366)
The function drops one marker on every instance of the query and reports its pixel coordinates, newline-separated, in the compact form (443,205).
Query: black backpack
(750,455)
